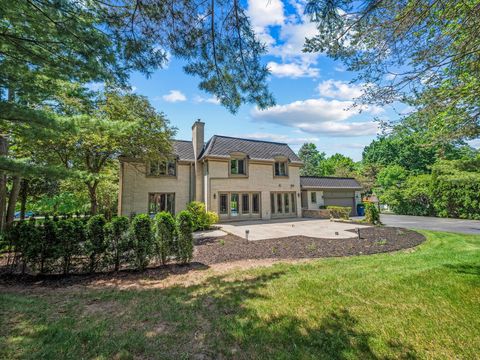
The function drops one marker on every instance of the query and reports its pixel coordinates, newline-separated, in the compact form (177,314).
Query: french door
(283,204)
(238,205)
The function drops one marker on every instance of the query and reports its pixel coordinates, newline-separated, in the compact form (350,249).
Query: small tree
(70,233)
(48,252)
(164,233)
(185,238)
(29,244)
(372,215)
(141,231)
(95,245)
(116,233)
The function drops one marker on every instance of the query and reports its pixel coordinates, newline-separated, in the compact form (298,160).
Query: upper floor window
(162,168)
(237,167)
(281,168)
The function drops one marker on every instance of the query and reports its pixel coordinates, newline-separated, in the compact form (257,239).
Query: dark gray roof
(183,149)
(223,146)
(329,182)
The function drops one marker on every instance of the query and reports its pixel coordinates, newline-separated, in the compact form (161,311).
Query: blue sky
(312,92)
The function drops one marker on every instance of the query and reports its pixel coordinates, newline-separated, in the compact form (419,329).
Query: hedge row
(77,245)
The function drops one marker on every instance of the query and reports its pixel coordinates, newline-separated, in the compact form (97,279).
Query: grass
(422,303)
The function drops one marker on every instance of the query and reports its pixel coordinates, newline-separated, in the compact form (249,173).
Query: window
(280,168)
(255,203)
(162,168)
(293,202)
(313,197)
(233,204)
(158,202)
(245,204)
(237,167)
(223,204)
(286,202)
(272,202)
(279,203)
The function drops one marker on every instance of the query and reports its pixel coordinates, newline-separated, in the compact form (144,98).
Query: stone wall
(317,214)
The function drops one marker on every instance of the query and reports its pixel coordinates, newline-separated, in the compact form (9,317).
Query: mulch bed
(373,240)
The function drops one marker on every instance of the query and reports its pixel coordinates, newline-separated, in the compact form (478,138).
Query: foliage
(317,164)
(212,218)
(95,243)
(312,159)
(339,212)
(141,231)
(185,237)
(164,233)
(372,215)
(28,246)
(49,250)
(418,51)
(70,235)
(202,220)
(456,188)
(118,240)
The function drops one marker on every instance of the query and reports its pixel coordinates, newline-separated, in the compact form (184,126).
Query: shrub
(141,231)
(164,235)
(339,212)
(372,215)
(201,219)
(28,243)
(70,234)
(95,245)
(185,238)
(118,241)
(48,247)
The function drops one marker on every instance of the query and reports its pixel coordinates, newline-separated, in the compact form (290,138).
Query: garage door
(340,198)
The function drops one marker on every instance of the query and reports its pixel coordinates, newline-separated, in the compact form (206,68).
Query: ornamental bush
(372,215)
(70,235)
(28,246)
(339,212)
(141,232)
(185,237)
(164,235)
(48,246)
(201,218)
(118,240)
(95,244)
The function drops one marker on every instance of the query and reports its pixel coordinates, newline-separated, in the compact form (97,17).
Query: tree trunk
(23,198)
(92,193)
(12,201)
(3,181)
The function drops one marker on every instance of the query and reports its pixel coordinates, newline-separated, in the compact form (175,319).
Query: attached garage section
(320,192)
(340,198)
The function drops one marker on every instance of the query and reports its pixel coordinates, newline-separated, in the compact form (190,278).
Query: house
(237,178)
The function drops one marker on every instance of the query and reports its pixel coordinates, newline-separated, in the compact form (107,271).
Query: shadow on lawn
(468,269)
(223,317)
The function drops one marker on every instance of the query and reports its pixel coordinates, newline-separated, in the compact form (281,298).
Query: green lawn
(422,303)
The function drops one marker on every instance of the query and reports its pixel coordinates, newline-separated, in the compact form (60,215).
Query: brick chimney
(198,139)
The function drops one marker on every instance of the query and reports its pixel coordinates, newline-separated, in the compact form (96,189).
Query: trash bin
(361,210)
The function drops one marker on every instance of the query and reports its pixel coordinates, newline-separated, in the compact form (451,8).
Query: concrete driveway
(432,223)
(271,229)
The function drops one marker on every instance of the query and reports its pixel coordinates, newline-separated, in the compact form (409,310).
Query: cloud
(339,89)
(174,96)
(475,143)
(284,36)
(292,70)
(210,100)
(281,138)
(320,116)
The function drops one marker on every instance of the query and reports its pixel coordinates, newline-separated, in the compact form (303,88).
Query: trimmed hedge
(339,212)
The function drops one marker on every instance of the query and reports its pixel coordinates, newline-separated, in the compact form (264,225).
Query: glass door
(234,204)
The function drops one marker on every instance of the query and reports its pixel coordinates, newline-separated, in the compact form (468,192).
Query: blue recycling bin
(361,210)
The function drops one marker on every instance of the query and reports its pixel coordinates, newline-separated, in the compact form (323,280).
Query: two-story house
(236,178)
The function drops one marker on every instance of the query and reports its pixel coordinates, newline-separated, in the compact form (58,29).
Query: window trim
(245,166)
(286,175)
(313,194)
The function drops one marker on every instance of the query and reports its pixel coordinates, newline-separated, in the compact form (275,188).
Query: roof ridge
(255,140)
(328,177)
(181,140)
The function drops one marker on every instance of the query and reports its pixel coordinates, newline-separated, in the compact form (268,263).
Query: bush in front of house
(28,246)
(141,232)
(339,212)
(372,215)
(95,244)
(164,232)
(69,236)
(49,250)
(118,240)
(185,238)
(201,218)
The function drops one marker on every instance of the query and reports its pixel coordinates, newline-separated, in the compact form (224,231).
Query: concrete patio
(271,229)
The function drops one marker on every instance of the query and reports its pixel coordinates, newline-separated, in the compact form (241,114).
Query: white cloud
(210,100)
(475,143)
(174,96)
(292,70)
(320,116)
(339,89)
(281,138)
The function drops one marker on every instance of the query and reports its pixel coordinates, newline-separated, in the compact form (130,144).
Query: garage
(320,192)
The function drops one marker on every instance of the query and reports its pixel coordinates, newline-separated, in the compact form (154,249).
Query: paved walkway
(432,223)
(271,229)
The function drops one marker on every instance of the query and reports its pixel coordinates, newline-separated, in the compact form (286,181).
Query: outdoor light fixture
(246,234)
(214,195)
